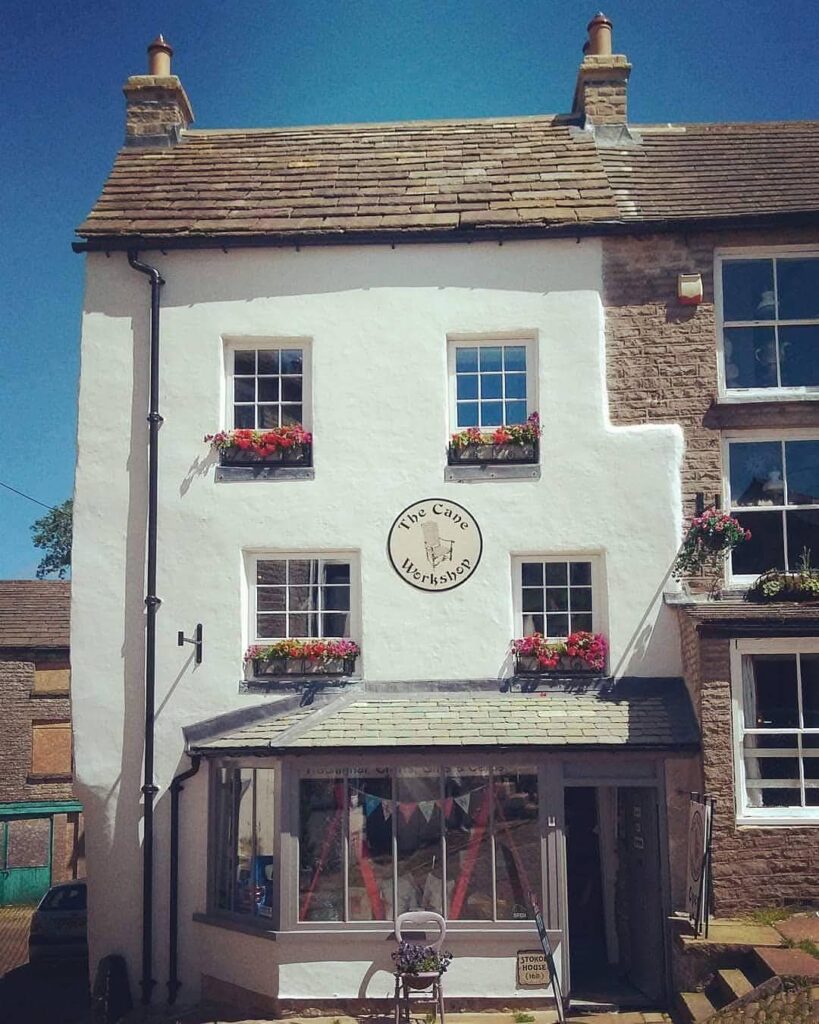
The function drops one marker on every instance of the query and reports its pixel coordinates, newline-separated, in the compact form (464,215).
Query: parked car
(58,926)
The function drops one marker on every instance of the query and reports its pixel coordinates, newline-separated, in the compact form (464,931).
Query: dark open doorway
(614,883)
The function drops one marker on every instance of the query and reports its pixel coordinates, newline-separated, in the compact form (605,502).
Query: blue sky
(267,62)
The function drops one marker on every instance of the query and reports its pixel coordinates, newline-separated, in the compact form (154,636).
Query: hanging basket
(420,981)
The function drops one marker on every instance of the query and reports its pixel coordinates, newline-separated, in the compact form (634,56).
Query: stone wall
(790,1007)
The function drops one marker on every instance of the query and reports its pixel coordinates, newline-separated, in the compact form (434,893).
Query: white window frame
(726,394)
(233,343)
(252,557)
(746,815)
(599,608)
(456,341)
(751,436)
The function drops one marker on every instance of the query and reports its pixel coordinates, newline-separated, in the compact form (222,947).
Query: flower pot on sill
(528,665)
(297,455)
(273,668)
(420,981)
(477,454)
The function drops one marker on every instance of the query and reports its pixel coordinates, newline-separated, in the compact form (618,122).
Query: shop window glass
(419,822)
(370,823)
(321,849)
(468,806)
(517,844)
(243,841)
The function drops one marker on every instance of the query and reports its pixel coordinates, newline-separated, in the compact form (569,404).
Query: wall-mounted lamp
(689,289)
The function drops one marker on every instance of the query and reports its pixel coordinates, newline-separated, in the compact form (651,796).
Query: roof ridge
(433,122)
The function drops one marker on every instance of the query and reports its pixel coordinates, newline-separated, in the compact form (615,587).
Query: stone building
(40,819)
(306,663)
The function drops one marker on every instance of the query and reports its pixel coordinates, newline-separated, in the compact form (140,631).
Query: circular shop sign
(435,544)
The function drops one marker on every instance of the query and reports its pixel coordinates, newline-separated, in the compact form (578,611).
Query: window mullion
(493,859)
(775,268)
(569,597)
(442,794)
(345,834)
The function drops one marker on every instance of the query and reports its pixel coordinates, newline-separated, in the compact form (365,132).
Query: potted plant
(293,657)
(516,443)
(711,536)
(801,584)
(419,966)
(579,652)
(285,445)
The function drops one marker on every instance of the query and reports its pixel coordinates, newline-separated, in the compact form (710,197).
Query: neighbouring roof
(34,613)
(453,179)
(635,713)
(734,616)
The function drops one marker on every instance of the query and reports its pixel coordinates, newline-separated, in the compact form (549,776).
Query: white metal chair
(427,988)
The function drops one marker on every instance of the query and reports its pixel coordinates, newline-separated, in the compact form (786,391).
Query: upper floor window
(266,386)
(491,383)
(770,322)
(555,596)
(776,728)
(302,597)
(773,490)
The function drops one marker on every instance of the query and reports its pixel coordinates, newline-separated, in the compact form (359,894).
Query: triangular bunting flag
(371,803)
(463,802)
(407,811)
(427,808)
(386,809)
(447,805)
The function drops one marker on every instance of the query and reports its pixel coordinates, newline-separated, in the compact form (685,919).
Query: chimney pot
(599,29)
(159,57)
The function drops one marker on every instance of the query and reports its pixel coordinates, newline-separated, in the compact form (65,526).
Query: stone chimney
(157,109)
(600,93)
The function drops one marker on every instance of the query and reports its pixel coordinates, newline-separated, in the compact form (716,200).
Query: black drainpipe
(152,602)
(173,899)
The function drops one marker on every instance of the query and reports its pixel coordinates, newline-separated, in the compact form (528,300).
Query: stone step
(731,984)
(694,1007)
(788,963)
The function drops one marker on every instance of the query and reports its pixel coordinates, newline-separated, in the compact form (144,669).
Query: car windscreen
(66,897)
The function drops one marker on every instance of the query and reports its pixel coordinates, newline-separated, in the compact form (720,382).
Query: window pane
(335,624)
(580,574)
(557,625)
(264,861)
(303,624)
(515,413)
(799,356)
(468,847)
(269,360)
(268,389)
(490,359)
(802,460)
(291,389)
(292,415)
(810,755)
(517,844)
(748,290)
(514,357)
(557,599)
(516,385)
(797,284)
(756,473)
(244,417)
(467,385)
(270,627)
(534,624)
(765,549)
(420,878)
(244,362)
(491,386)
(271,571)
(302,571)
(467,414)
(370,831)
(810,691)
(291,360)
(244,389)
(772,771)
(336,572)
(244,896)
(321,857)
(581,599)
(532,574)
(335,598)
(532,599)
(303,598)
(270,599)
(466,360)
(491,414)
(803,536)
(750,357)
(776,702)
(28,842)
(581,621)
(556,574)
(223,831)
(268,417)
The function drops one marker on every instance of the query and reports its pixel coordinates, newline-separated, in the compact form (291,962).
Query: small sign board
(699,842)
(533,969)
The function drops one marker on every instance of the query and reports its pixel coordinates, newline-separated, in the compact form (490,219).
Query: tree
(52,533)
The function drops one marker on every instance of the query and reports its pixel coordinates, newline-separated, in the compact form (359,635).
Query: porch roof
(649,714)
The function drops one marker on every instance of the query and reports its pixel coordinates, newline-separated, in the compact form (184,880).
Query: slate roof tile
(34,613)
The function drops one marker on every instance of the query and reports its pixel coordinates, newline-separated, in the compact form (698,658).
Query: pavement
(29,995)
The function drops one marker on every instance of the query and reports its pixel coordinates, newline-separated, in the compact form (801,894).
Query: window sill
(367,930)
(492,471)
(756,412)
(298,683)
(778,821)
(53,777)
(263,471)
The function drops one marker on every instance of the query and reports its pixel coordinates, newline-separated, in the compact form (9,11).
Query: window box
(297,455)
(303,658)
(579,653)
(774,585)
(528,665)
(473,454)
(283,446)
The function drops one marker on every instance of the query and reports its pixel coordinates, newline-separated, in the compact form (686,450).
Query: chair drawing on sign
(423,987)
(437,550)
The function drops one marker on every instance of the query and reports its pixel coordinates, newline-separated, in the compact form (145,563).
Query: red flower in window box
(579,652)
(291,445)
(517,442)
(303,657)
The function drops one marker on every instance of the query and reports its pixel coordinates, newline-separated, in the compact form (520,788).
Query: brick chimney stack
(600,94)
(157,108)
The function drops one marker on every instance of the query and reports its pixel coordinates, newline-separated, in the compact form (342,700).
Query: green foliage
(769,915)
(521,1017)
(52,533)
(778,585)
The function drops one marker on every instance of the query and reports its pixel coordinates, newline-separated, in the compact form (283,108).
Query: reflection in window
(302,597)
(556,597)
(268,388)
(780,706)
(774,492)
(490,385)
(466,842)
(243,840)
(771,322)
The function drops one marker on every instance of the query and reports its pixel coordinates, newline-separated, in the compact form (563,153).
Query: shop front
(328,823)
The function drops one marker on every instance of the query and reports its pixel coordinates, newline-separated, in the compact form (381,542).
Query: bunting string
(408,808)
